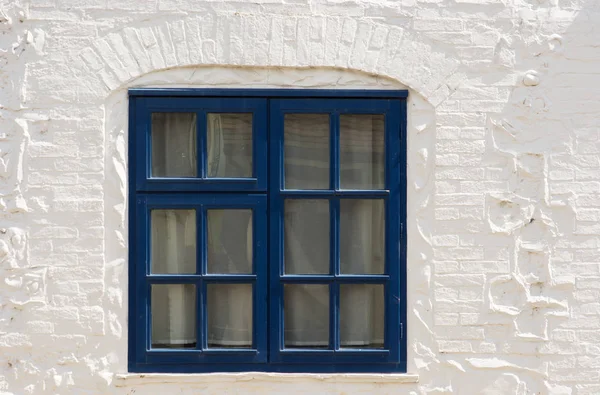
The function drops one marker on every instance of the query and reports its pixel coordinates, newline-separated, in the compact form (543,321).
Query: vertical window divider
(201,241)
(147,289)
(202,323)
(146,225)
(334,290)
(267,258)
(334,235)
(201,262)
(334,212)
(201,149)
(334,148)
(334,310)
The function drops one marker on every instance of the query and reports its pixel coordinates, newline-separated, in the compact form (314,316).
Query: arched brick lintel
(120,57)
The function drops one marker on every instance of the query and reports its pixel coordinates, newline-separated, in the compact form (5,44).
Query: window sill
(133,379)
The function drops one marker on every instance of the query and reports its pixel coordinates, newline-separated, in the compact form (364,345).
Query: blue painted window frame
(264,193)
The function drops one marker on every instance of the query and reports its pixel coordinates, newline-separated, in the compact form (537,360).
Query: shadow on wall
(540,171)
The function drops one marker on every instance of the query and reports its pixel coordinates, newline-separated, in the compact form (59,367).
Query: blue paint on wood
(264,193)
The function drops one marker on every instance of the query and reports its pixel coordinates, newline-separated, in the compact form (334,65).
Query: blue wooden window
(267,230)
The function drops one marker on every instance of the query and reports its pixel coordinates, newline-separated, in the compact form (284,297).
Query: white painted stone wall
(504,179)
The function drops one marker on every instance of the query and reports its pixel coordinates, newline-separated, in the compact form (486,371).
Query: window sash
(143,110)
(144,278)
(394,302)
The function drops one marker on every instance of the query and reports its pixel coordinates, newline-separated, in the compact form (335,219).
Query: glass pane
(306,145)
(173,316)
(362,155)
(174,144)
(229,311)
(362,236)
(229,241)
(229,145)
(361,315)
(306,236)
(306,311)
(173,241)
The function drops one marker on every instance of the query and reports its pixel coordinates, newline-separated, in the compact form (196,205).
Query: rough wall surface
(504,178)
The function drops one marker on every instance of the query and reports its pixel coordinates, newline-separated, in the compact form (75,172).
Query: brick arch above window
(118,58)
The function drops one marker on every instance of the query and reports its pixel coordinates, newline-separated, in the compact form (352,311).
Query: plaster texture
(503,189)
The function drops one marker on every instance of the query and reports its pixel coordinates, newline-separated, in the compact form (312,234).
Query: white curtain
(173,240)
(173,249)
(306,230)
(306,238)
(173,234)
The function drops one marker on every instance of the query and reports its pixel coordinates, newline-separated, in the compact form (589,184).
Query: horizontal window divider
(229,351)
(364,194)
(362,277)
(174,351)
(304,351)
(362,351)
(200,185)
(229,277)
(296,193)
(342,352)
(194,278)
(173,278)
(329,278)
(229,200)
(191,192)
(227,179)
(191,180)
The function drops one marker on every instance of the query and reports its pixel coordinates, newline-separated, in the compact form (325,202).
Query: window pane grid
(359,168)
(174,319)
(335,319)
(200,284)
(377,339)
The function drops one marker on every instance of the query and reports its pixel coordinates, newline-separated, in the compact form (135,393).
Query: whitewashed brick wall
(504,178)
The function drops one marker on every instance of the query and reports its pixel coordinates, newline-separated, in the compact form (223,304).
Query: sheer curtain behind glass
(173,251)
(306,229)
(230,307)
(173,233)
(229,233)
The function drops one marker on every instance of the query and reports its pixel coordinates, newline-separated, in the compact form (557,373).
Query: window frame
(266,184)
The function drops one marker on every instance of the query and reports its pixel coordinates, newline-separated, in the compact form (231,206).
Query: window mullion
(201,144)
(201,252)
(334,289)
(201,242)
(334,210)
(201,315)
(334,154)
